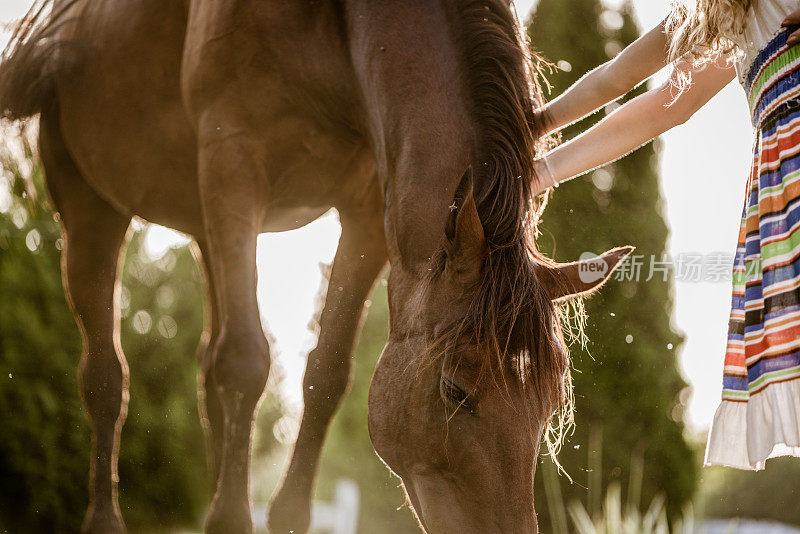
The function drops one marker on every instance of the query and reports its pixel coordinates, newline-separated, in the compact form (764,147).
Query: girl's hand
(792,20)
(542,176)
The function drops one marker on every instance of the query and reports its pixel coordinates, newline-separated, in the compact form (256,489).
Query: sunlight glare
(158,240)
(291,279)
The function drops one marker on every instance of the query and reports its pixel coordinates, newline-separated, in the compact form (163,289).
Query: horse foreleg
(359,259)
(209,404)
(94,236)
(229,186)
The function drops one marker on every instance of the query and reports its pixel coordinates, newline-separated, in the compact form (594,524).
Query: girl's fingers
(792,19)
(793,39)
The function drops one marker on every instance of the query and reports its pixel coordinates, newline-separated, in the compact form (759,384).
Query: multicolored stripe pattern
(764,330)
(774,78)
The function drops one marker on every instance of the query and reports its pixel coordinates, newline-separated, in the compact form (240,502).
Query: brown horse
(416,121)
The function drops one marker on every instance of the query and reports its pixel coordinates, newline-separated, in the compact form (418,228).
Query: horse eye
(455,396)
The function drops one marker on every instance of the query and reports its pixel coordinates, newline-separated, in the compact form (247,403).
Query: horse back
(125,105)
(120,109)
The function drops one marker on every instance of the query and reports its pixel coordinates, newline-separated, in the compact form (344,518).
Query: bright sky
(704,165)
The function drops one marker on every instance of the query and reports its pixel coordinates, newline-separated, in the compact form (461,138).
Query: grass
(607,512)
(616,518)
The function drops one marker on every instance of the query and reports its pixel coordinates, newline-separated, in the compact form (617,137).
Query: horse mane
(512,314)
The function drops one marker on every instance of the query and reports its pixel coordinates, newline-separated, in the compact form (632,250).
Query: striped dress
(759,416)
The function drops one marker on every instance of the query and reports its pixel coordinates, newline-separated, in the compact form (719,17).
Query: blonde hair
(704,30)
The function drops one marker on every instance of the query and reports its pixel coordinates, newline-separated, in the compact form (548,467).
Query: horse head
(474,369)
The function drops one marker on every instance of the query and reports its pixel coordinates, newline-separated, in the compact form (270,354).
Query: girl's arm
(643,58)
(632,125)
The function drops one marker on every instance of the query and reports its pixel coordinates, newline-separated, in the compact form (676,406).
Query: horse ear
(583,277)
(465,243)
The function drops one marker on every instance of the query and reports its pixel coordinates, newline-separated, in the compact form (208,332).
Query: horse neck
(418,121)
(420,126)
